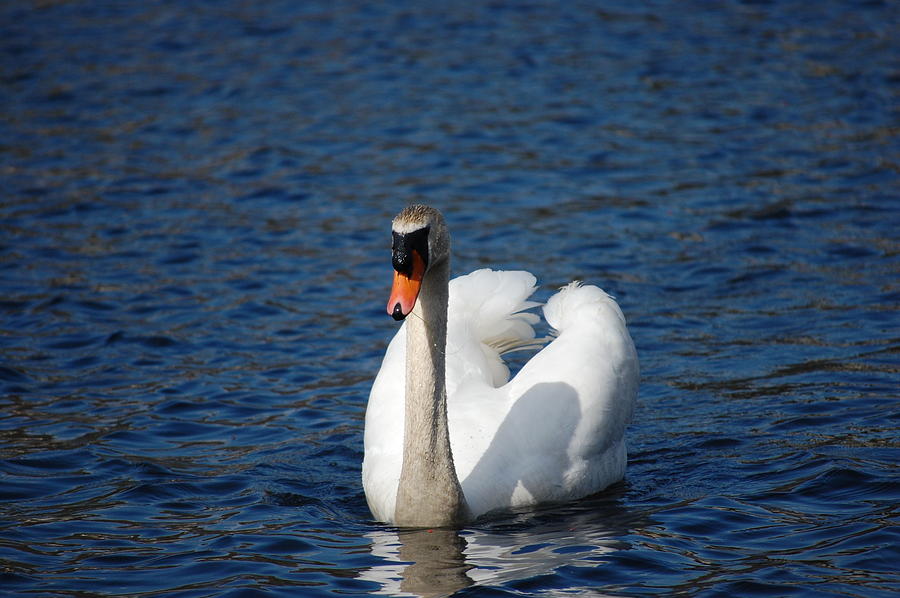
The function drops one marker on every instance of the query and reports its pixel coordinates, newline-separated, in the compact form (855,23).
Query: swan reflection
(427,563)
(439,562)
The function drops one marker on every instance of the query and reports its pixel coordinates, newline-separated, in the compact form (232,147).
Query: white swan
(448,437)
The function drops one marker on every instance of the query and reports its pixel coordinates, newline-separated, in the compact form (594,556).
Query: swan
(449,437)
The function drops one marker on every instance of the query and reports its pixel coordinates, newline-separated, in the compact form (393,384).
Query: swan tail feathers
(576,304)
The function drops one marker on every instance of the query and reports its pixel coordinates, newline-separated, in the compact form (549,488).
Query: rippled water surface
(194,231)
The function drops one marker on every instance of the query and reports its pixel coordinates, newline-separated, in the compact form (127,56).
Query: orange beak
(406,289)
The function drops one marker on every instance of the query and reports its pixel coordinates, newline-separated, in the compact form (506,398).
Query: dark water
(194,261)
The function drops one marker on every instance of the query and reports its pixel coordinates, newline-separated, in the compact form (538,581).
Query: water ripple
(194,257)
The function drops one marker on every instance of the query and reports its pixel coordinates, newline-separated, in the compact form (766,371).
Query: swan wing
(595,355)
(555,432)
(486,318)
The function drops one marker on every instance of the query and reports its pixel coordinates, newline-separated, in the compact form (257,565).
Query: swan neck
(429,494)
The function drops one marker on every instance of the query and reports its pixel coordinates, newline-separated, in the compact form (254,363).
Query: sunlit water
(194,263)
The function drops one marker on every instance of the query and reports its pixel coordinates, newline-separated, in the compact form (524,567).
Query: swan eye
(403,246)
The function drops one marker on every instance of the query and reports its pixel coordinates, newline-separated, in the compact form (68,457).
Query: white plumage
(554,432)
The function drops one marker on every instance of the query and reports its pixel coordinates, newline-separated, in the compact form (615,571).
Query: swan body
(444,449)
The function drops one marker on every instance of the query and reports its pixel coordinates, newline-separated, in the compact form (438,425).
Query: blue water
(194,261)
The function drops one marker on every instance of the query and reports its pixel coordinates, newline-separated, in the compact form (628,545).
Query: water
(194,261)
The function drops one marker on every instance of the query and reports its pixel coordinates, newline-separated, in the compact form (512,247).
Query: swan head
(420,242)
